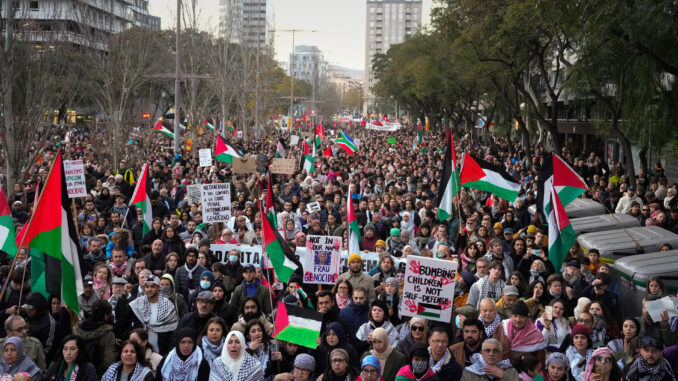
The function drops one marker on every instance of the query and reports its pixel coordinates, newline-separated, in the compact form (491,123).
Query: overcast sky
(340,25)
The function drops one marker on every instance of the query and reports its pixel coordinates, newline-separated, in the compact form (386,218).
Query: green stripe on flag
(38,283)
(429,314)
(298,335)
(278,260)
(504,193)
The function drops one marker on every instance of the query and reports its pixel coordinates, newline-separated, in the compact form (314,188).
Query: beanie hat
(531,229)
(380,243)
(384,307)
(185,332)
(419,350)
(416,320)
(520,308)
(393,281)
(290,300)
(370,227)
(372,361)
(581,330)
(468,278)
(305,361)
(339,352)
(498,225)
(395,232)
(354,257)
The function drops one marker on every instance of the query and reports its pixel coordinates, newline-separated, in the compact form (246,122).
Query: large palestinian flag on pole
(7,236)
(298,325)
(160,128)
(141,198)
(354,237)
(557,174)
(282,258)
(307,158)
(52,231)
(479,174)
(561,233)
(225,152)
(450,181)
(270,210)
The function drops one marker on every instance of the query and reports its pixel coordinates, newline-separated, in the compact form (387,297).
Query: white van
(615,244)
(603,222)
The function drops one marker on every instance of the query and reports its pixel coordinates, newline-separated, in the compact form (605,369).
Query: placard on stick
(429,288)
(248,165)
(322,259)
(283,166)
(194,194)
(216,202)
(205,157)
(74,171)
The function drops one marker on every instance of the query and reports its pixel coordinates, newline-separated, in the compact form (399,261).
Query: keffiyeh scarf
(138,374)
(211,351)
(250,370)
(528,339)
(22,363)
(492,291)
(436,366)
(643,371)
(167,314)
(489,329)
(177,369)
(478,363)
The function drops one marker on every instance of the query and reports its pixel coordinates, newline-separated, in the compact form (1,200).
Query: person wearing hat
(370,238)
(509,296)
(160,325)
(378,318)
(394,243)
(88,296)
(602,366)
(574,277)
(304,366)
(624,205)
(390,359)
(518,335)
(498,229)
(251,286)
(357,278)
(581,350)
(187,277)
(340,370)
(370,370)
(203,310)
(418,333)
(418,368)
(651,365)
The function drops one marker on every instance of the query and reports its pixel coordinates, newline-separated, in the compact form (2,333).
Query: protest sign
(313,207)
(283,166)
(247,165)
(392,141)
(238,134)
(429,288)
(216,202)
(308,134)
(194,194)
(321,265)
(74,171)
(294,139)
(357,143)
(249,254)
(205,157)
(386,126)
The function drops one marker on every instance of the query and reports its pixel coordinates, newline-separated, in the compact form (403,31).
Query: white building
(243,22)
(308,63)
(78,22)
(387,22)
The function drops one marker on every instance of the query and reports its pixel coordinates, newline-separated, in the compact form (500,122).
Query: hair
(218,266)
(141,356)
(143,335)
(324,293)
(556,300)
(100,265)
(216,320)
(522,286)
(527,362)
(9,322)
(100,308)
(360,289)
(265,338)
(659,281)
(474,322)
(493,341)
(438,329)
(335,289)
(83,356)
(604,278)
(250,298)
(176,256)
(555,278)
(530,288)
(496,264)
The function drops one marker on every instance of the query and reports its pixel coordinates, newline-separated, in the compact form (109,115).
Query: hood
(96,333)
(38,301)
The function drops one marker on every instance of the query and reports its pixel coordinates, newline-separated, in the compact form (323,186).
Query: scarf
(407,374)
(528,339)
(599,330)
(167,314)
(211,351)
(190,271)
(591,362)
(342,301)
(478,363)
(118,270)
(138,374)
(234,364)
(641,369)
(383,355)
(22,362)
(489,329)
(177,369)
(436,366)
(491,291)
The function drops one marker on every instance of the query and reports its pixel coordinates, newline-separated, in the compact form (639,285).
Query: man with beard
(187,277)
(330,311)
(357,278)
(94,254)
(357,310)
(251,286)
(156,314)
(472,330)
(197,319)
(651,365)
(574,278)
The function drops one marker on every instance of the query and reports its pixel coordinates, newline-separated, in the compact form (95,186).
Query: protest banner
(205,157)
(283,166)
(74,171)
(249,254)
(216,202)
(246,165)
(386,126)
(308,134)
(321,265)
(356,141)
(194,194)
(429,288)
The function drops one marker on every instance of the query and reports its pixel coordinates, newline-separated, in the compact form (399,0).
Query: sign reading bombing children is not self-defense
(429,288)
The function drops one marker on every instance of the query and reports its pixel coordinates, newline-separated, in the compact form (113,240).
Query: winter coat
(105,341)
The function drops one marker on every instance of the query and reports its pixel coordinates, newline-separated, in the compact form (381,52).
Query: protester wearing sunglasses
(602,366)
(417,334)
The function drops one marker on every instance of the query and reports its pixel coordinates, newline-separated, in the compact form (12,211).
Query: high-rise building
(309,63)
(387,22)
(77,22)
(243,22)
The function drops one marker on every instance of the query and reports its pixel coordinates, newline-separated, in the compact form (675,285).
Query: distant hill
(355,73)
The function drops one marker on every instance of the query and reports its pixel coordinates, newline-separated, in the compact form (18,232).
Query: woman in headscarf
(303,370)
(390,359)
(168,290)
(391,297)
(333,338)
(610,371)
(370,370)
(206,283)
(213,338)
(14,359)
(557,368)
(340,370)
(132,365)
(72,363)
(185,361)
(222,308)
(235,364)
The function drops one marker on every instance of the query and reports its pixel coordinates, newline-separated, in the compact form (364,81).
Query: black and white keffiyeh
(640,370)
(138,374)
(177,369)
(250,370)
(436,366)
(211,351)
(22,363)
(489,329)
(167,313)
(478,363)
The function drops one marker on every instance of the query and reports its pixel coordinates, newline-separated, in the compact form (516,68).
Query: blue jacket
(356,315)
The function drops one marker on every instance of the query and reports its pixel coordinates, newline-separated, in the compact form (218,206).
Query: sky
(338,25)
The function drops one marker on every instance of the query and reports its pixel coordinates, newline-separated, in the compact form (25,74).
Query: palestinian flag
(479,174)
(557,174)
(298,325)
(225,152)
(160,128)
(428,310)
(345,142)
(52,231)
(319,131)
(280,150)
(561,234)
(307,158)
(38,259)
(282,258)
(7,236)
(450,180)
(328,152)
(141,198)
(270,211)
(354,237)
(208,125)
(303,294)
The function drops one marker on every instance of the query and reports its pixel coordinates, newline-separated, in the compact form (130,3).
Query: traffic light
(146,115)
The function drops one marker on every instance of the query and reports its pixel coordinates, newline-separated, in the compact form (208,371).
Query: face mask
(419,367)
(456,322)
(233,258)
(164,290)
(204,284)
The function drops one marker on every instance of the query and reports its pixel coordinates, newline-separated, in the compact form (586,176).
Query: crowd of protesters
(163,306)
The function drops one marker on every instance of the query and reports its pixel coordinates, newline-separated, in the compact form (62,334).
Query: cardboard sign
(429,288)
(371,260)
(307,134)
(294,139)
(194,193)
(205,157)
(322,260)
(216,203)
(283,166)
(248,165)
(249,255)
(74,171)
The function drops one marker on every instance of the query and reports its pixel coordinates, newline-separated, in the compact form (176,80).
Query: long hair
(83,357)
(141,352)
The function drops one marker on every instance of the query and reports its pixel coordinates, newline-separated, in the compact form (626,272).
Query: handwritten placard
(194,193)
(429,288)
(322,260)
(216,203)
(205,157)
(75,178)
(283,166)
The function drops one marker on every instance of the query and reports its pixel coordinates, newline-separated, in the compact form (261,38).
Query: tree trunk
(642,154)
(626,147)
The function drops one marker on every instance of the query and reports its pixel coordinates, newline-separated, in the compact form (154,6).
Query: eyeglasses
(369,371)
(338,361)
(23,328)
(491,350)
(605,359)
(417,328)
(302,370)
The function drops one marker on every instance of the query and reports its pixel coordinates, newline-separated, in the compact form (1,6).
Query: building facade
(243,22)
(307,63)
(387,22)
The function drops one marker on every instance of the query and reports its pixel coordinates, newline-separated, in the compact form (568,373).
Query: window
(33,5)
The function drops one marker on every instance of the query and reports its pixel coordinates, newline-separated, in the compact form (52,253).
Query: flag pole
(23,238)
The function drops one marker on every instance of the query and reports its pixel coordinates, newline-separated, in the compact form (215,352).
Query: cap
(469,311)
(651,341)
(498,225)
(508,231)
(249,267)
(206,295)
(574,263)
(152,279)
(632,188)
(88,280)
(119,280)
(510,290)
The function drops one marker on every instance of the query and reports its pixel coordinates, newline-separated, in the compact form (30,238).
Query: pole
(292,80)
(177,80)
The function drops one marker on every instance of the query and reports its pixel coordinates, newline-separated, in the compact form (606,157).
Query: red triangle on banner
(470,170)
(564,176)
